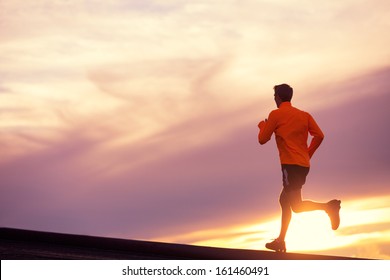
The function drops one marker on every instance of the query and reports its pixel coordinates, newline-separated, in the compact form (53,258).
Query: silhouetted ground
(17,244)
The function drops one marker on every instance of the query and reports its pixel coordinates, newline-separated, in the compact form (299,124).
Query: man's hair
(284,91)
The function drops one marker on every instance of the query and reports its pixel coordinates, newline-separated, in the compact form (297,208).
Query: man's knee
(296,206)
(284,199)
(291,199)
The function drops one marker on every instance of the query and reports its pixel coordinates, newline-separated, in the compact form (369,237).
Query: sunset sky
(138,119)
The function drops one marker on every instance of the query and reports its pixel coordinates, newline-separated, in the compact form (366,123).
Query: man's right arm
(317,134)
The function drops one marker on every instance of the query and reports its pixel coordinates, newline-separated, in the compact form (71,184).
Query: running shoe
(276,245)
(333,212)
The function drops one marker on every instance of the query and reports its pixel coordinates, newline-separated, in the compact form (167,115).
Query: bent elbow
(319,138)
(262,141)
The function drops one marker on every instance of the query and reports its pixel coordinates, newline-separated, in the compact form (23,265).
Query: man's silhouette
(291,127)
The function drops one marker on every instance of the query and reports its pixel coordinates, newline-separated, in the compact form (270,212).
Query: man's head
(283,93)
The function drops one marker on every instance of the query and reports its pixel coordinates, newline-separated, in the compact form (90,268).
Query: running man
(292,127)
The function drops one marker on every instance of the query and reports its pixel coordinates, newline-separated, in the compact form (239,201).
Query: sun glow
(146,112)
(363,222)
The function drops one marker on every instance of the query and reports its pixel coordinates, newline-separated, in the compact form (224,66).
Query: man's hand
(261,127)
(262,124)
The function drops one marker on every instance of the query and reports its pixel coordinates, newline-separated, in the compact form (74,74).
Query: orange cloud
(143,110)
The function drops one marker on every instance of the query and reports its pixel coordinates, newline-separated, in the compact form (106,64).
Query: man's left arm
(317,134)
(267,128)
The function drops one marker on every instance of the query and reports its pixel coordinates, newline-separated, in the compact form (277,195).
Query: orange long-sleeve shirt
(291,127)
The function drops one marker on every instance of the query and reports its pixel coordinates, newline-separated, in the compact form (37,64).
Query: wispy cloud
(141,111)
(157,183)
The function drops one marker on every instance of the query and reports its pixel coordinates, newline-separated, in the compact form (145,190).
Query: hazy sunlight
(311,232)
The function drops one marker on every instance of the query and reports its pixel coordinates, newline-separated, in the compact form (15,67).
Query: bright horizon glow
(138,119)
(309,232)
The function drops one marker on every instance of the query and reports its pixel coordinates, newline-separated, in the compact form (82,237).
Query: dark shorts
(294,176)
